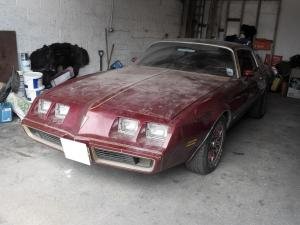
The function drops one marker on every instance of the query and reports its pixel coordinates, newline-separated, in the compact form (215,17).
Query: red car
(172,107)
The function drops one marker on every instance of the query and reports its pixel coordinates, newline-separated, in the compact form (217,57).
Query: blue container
(116,65)
(5,112)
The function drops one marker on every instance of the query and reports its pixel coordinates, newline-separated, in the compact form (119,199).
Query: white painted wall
(288,39)
(288,36)
(82,22)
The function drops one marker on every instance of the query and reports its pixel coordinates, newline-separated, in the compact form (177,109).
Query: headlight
(61,111)
(156,131)
(128,126)
(43,106)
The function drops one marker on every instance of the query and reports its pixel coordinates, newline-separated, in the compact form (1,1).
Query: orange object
(262,44)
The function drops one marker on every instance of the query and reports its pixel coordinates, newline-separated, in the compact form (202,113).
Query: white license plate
(76,151)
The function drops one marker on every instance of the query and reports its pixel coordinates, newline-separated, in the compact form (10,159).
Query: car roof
(226,44)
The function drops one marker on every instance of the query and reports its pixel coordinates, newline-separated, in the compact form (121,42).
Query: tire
(207,158)
(12,85)
(260,106)
(15,82)
(4,92)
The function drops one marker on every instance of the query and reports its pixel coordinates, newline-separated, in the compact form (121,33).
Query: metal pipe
(198,19)
(276,28)
(190,16)
(242,14)
(226,19)
(110,55)
(185,12)
(220,18)
(111,16)
(202,14)
(106,47)
(211,18)
(258,14)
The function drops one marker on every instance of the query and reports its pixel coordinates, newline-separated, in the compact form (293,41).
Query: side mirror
(248,73)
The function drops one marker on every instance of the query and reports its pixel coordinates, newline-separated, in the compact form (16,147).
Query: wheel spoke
(215,145)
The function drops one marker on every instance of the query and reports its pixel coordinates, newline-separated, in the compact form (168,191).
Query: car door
(248,65)
(245,88)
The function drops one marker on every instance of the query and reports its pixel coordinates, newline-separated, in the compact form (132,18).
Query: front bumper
(101,152)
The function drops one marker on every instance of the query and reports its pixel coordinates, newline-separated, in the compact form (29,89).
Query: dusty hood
(150,91)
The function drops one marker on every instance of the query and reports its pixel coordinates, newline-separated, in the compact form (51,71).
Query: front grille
(123,158)
(45,136)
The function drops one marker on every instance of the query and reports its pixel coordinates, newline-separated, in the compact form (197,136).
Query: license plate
(76,151)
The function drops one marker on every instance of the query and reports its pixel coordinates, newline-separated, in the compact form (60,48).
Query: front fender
(192,128)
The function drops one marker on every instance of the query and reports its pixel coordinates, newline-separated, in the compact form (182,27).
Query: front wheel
(208,154)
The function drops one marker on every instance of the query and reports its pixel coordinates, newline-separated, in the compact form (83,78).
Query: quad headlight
(128,126)
(61,110)
(43,106)
(153,131)
(156,131)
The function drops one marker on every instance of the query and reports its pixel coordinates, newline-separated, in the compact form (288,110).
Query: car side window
(246,60)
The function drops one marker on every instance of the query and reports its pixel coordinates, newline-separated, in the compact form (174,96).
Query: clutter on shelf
(45,68)
(286,76)
(53,59)
(20,105)
(116,65)
(294,83)
(33,84)
(62,76)
(246,36)
(25,62)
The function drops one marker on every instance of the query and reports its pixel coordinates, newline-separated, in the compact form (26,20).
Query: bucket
(25,62)
(33,80)
(31,94)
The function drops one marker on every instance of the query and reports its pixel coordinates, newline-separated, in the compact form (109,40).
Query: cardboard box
(294,84)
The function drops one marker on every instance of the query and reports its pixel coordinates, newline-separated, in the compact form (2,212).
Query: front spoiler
(92,144)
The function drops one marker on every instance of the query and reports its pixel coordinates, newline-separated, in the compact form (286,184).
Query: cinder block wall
(136,23)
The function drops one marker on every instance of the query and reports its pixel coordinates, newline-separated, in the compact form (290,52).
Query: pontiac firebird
(173,106)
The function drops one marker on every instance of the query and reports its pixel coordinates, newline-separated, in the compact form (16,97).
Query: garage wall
(136,23)
(288,35)
(288,39)
(267,18)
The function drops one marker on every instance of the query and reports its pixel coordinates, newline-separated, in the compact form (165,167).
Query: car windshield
(198,58)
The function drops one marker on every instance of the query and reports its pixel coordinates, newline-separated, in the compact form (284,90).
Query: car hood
(158,92)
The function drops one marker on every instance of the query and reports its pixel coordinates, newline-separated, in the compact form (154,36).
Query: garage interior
(258,178)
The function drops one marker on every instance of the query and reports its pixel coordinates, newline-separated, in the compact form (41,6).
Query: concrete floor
(257,182)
